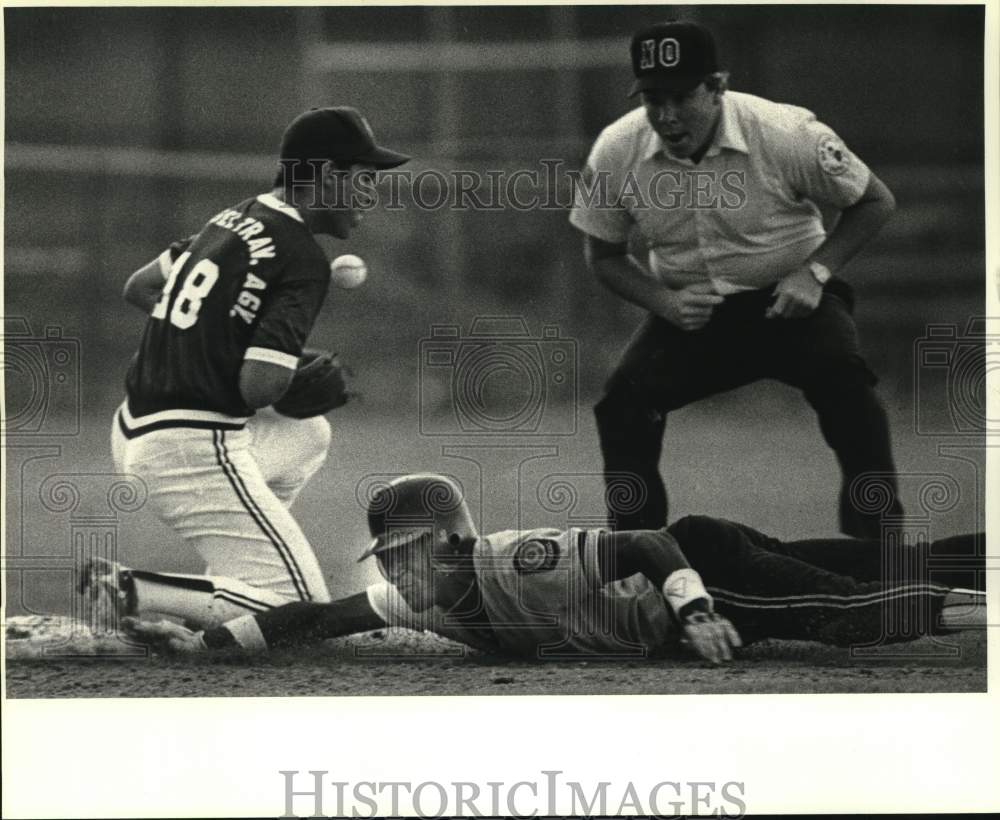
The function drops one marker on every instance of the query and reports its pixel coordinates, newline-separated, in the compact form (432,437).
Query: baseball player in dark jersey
(725,191)
(230,311)
(707,583)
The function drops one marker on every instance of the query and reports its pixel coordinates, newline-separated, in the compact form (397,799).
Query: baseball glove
(318,386)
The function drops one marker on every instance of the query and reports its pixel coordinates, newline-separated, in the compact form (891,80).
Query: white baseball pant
(227,493)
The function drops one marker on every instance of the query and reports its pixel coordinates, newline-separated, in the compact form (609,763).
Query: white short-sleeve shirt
(744,216)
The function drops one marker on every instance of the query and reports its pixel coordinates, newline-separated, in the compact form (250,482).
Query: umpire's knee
(625,410)
(838,376)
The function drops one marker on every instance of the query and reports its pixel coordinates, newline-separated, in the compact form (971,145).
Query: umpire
(725,190)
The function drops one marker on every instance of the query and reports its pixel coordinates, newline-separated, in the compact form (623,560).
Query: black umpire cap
(675,56)
(339,133)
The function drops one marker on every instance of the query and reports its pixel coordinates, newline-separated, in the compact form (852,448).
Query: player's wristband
(246,632)
(684,587)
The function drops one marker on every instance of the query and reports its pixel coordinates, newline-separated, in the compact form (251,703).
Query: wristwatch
(821,273)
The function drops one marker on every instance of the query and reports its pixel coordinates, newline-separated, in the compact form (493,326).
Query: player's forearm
(144,300)
(143,288)
(303,622)
(300,622)
(618,271)
(262,383)
(624,276)
(653,553)
(657,555)
(857,226)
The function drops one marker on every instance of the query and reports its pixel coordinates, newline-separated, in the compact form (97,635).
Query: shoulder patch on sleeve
(537,555)
(834,158)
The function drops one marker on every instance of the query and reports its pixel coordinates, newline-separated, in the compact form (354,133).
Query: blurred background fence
(129,127)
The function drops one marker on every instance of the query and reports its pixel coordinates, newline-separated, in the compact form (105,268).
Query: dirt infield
(400,662)
(718,472)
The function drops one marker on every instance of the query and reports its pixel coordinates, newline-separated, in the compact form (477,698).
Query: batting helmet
(412,506)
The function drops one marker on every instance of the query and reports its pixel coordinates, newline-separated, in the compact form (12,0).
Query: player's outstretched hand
(690,308)
(710,635)
(796,296)
(164,635)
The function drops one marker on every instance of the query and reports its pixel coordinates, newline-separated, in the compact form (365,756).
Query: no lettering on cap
(674,56)
(338,133)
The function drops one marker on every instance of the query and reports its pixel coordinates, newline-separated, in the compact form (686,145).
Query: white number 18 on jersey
(197,284)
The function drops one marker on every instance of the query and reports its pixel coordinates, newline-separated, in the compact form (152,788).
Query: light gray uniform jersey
(541,596)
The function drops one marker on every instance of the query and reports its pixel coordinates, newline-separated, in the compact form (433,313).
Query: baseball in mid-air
(348,271)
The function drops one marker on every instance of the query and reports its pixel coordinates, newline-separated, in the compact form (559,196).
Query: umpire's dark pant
(665,368)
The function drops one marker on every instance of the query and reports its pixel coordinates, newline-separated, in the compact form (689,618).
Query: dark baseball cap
(339,133)
(674,56)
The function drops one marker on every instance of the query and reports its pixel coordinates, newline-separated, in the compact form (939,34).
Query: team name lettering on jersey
(248,303)
(246,228)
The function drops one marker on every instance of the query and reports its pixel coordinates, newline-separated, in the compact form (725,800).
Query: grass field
(726,457)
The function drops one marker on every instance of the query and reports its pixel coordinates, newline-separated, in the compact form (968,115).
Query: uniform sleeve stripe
(828,600)
(264,354)
(588,540)
(166,263)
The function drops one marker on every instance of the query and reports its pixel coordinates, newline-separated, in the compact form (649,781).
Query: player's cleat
(963,609)
(107,593)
